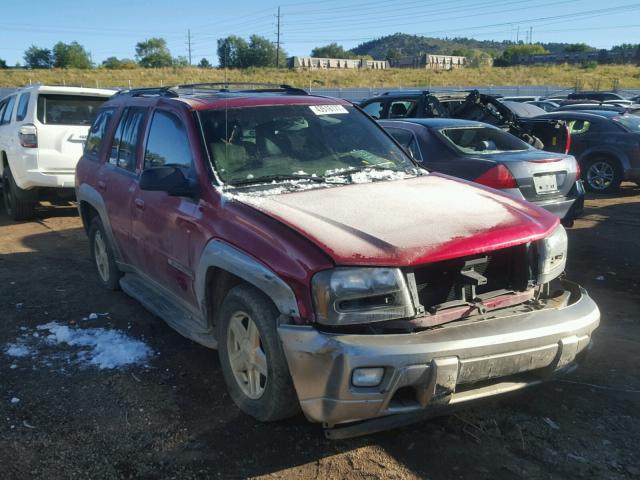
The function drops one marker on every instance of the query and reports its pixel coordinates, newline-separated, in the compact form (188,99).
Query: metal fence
(357,94)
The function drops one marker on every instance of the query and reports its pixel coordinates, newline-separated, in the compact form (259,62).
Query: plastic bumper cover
(437,367)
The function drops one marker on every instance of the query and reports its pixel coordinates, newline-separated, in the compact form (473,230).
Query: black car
(519,119)
(599,96)
(607,145)
(488,155)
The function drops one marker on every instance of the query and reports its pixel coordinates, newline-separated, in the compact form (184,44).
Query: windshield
(482,140)
(267,143)
(68,109)
(630,123)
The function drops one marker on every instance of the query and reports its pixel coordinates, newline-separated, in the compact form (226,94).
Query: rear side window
(168,143)
(125,142)
(6,115)
(97,131)
(23,103)
(68,109)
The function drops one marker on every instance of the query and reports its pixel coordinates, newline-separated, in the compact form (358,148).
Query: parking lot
(171,417)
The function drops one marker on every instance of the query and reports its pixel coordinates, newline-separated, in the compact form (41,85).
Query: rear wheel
(603,175)
(102,255)
(253,363)
(15,204)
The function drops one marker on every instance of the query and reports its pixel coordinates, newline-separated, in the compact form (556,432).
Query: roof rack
(224,87)
(212,87)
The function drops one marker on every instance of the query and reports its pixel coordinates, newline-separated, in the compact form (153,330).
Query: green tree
(393,54)
(36,57)
(181,62)
(70,55)
(3,64)
(333,50)
(261,52)
(232,52)
(516,54)
(114,63)
(204,63)
(153,53)
(578,48)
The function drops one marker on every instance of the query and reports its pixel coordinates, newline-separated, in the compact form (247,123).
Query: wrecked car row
(333,274)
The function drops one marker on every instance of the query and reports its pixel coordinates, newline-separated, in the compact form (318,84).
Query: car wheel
(102,255)
(251,356)
(16,207)
(603,175)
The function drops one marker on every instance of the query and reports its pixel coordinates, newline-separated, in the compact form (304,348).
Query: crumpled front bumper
(461,361)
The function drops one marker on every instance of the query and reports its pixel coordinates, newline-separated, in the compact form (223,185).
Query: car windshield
(631,123)
(482,140)
(270,143)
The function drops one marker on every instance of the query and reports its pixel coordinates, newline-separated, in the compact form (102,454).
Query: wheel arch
(90,205)
(619,157)
(223,266)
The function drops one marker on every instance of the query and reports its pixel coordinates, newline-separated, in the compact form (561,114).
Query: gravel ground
(170,417)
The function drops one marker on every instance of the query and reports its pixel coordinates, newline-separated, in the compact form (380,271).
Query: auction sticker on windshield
(328,109)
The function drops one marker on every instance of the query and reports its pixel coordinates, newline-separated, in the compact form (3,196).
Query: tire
(103,257)
(268,397)
(16,206)
(603,175)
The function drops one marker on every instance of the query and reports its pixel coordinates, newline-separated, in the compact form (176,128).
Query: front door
(164,226)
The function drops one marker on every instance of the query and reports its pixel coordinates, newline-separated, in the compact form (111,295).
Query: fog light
(367,377)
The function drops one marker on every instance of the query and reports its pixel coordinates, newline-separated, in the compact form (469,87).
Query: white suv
(42,132)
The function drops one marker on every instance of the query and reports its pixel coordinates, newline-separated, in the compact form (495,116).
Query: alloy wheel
(600,175)
(246,355)
(101,256)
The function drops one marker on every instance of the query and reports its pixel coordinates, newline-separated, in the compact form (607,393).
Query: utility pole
(189,44)
(518,34)
(530,34)
(278,41)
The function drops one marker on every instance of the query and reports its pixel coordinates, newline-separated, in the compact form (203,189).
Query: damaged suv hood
(406,222)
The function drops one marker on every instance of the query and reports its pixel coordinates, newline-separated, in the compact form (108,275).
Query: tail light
(497,177)
(578,171)
(28,136)
(568,147)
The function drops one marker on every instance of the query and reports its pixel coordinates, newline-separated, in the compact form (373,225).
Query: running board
(162,305)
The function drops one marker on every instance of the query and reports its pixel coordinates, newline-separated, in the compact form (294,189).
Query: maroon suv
(333,275)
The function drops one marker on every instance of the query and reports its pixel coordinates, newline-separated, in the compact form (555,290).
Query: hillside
(409,45)
(601,77)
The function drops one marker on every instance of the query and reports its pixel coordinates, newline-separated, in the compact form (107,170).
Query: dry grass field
(599,78)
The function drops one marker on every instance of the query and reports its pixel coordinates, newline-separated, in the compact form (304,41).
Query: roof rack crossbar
(149,92)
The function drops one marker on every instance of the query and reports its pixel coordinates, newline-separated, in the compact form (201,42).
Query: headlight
(552,255)
(347,296)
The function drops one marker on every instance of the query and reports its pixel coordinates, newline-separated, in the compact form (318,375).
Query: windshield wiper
(276,178)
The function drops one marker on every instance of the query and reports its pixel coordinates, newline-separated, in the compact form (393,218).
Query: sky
(113,28)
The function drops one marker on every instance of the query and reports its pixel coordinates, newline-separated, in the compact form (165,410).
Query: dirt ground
(173,419)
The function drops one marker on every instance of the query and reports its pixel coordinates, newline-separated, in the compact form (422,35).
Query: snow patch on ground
(57,344)
(17,350)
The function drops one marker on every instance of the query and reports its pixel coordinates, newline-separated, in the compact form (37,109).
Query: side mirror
(167,179)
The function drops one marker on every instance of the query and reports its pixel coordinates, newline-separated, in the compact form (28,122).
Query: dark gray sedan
(488,155)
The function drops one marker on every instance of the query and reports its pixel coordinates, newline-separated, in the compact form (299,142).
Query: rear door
(63,122)
(117,178)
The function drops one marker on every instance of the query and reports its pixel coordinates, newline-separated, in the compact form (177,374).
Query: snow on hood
(406,222)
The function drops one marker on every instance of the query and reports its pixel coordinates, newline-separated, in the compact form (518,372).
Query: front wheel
(251,356)
(16,206)
(603,175)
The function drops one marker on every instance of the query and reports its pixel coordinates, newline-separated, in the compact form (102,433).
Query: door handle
(102,185)
(139,203)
